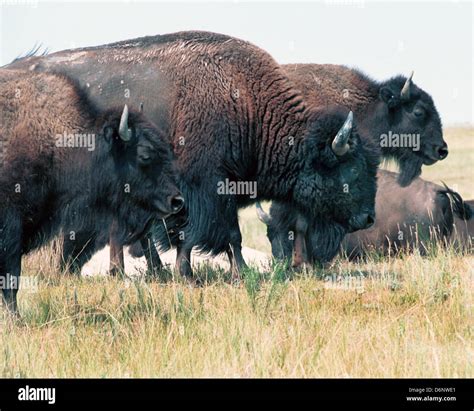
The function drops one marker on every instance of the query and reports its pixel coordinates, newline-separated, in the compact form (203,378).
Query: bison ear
(389,97)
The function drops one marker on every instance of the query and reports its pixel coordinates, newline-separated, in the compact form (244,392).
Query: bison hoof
(236,278)
(116,272)
(194,282)
(185,270)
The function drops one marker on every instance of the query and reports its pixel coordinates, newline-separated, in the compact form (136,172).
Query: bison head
(143,164)
(410,127)
(335,191)
(338,182)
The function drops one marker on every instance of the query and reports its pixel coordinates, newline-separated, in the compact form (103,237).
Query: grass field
(410,316)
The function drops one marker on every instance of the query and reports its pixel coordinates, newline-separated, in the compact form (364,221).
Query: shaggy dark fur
(408,218)
(462,209)
(232,114)
(318,187)
(321,246)
(463,235)
(45,188)
(378,109)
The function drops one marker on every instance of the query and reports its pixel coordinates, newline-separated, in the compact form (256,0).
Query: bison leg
(299,248)
(183,261)
(152,258)
(11,283)
(234,251)
(78,252)
(299,251)
(10,262)
(237,262)
(117,263)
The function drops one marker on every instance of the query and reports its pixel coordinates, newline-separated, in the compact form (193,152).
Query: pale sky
(383,39)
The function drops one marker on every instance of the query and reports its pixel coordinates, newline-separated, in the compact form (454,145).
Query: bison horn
(405,93)
(340,144)
(124,132)
(262,215)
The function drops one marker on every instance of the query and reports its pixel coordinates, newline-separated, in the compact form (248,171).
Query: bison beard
(410,168)
(325,243)
(322,239)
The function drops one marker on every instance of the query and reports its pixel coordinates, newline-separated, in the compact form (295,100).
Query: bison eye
(144,159)
(145,155)
(418,112)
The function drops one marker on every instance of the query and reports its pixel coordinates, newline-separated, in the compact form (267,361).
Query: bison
(396,115)
(66,165)
(408,218)
(233,116)
(411,218)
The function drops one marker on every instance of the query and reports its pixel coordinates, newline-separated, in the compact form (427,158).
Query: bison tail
(460,208)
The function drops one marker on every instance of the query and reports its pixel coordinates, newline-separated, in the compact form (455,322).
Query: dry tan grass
(400,317)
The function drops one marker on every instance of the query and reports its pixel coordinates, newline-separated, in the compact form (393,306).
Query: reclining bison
(408,218)
(411,218)
(233,116)
(66,165)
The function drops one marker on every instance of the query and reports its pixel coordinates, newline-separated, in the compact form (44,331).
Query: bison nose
(442,151)
(176,203)
(369,220)
(361,222)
